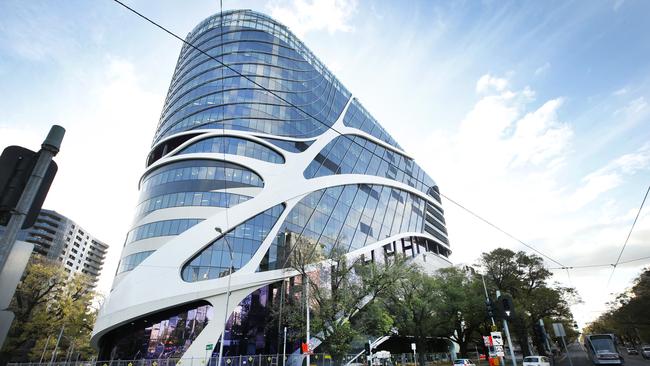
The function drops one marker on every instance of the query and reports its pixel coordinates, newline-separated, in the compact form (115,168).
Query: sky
(534,115)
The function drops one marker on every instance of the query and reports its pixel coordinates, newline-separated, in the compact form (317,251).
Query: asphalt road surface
(579,358)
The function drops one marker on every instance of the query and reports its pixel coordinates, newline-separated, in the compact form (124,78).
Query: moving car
(632,351)
(463,362)
(537,361)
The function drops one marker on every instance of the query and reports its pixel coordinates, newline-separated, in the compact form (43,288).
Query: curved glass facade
(160,228)
(349,154)
(167,334)
(234,146)
(348,217)
(131,261)
(185,199)
(291,146)
(201,170)
(359,118)
(214,260)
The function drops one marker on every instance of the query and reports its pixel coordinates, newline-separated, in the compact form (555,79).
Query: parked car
(645,351)
(537,361)
(463,362)
(632,351)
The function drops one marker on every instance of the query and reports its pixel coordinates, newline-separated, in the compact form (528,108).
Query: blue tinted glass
(235,146)
(214,260)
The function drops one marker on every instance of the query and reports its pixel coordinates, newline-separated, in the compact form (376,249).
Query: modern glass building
(263,153)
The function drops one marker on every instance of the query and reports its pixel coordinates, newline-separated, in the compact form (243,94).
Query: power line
(600,265)
(628,235)
(318,120)
(501,230)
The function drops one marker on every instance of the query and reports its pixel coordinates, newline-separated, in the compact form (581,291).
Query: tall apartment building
(248,160)
(58,238)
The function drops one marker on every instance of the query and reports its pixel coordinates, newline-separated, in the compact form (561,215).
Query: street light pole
(225,313)
(284,348)
(307,308)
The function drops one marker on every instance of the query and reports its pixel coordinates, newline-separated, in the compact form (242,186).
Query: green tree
(343,290)
(412,307)
(47,300)
(627,315)
(460,307)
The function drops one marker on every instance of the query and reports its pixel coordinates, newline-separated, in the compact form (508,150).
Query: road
(579,358)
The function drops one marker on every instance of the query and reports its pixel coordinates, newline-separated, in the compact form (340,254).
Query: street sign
(487,341)
(558,328)
(497,340)
(413,346)
(499,351)
(209,346)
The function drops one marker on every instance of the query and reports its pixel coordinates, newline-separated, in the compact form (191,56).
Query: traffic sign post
(558,329)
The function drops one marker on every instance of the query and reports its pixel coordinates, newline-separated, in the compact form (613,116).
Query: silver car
(645,351)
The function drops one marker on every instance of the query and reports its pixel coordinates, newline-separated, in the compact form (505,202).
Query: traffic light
(539,331)
(506,306)
(16,165)
(367,348)
(491,311)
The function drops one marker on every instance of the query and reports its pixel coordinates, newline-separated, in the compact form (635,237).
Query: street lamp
(225,313)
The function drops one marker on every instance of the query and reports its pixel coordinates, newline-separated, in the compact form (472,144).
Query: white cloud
(609,177)
(487,82)
(303,16)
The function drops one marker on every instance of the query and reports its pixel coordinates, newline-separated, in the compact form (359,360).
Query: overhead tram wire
(318,120)
(628,236)
(503,231)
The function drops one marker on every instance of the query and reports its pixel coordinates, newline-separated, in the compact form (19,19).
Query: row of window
(182,199)
(214,260)
(201,170)
(348,217)
(323,106)
(245,20)
(207,77)
(160,228)
(234,146)
(131,261)
(349,154)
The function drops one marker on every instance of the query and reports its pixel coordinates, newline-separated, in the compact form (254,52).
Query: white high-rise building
(254,156)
